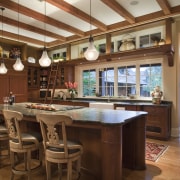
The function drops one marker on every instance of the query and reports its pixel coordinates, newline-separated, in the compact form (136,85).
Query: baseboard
(175,132)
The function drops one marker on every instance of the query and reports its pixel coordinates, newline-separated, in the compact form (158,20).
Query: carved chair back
(53,130)
(12,119)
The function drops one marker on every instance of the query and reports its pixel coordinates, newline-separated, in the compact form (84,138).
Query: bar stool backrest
(53,130)
(12,119)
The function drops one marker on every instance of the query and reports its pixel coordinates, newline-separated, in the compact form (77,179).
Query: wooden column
(108,43)
(169,31)
(68,52)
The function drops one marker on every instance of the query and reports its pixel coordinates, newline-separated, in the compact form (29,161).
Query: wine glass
(6,101)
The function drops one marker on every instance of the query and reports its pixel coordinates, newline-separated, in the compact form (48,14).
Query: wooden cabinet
(44,77)
(65,74)
(15,82)
(128,107)
(74,103)
(158,123)
(33,77)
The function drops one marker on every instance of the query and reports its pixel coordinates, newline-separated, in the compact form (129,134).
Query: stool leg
(48,170)
(69,171)
(12,164)
(60,170)
(29,164)
(78,167)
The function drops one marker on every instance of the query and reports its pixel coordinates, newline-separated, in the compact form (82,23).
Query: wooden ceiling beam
(19,38)
(164,6)
(120,10)
(40,17)
(77,13)
(30,28)
(142,20)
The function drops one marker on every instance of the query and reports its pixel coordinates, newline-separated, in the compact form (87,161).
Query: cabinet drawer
(155,110)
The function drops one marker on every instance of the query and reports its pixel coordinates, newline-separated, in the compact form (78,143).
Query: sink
(101,105)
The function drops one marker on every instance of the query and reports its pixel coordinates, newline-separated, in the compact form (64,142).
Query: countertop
(115,101)
(83,114)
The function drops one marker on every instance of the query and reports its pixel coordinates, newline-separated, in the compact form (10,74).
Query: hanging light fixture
(91,53)
(3,69)
(45,61)
(18,66)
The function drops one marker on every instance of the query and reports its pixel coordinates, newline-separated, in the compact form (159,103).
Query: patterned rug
(154,151)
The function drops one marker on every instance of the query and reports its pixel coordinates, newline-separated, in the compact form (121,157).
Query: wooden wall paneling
(4,84)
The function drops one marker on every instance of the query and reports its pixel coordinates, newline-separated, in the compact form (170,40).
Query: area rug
(154,151)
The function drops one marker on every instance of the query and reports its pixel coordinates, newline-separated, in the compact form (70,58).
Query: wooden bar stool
(57,148)
(22,144)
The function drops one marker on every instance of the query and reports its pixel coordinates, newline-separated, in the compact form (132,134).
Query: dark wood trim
(166,50)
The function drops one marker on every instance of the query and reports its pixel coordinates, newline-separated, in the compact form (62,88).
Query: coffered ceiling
(59,22)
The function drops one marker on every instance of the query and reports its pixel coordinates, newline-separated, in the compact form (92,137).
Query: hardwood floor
(166,168)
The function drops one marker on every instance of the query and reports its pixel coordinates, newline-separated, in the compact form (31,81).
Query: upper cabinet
(65,74)
(33,77)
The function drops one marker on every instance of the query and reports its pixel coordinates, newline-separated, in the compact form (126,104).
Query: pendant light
(3,69)
(45,61)
(18,66)
(91,53)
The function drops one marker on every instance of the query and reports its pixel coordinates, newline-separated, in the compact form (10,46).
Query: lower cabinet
(158,124)
(74,103)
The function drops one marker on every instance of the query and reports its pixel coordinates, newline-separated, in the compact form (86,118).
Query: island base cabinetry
(106,148)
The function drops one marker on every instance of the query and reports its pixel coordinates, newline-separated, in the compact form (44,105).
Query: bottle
(11,98)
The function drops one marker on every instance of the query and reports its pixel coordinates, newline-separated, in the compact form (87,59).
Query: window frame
(115,65)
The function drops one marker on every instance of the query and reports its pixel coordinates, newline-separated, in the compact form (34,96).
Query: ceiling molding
(64,33)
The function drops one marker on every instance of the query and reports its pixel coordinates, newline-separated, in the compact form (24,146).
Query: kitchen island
(111,139)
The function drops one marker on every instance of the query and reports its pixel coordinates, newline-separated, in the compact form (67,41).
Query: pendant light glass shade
(91,53)
(45,61)
(3,69)
(18,66)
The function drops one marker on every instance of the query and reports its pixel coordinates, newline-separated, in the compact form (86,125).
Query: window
(126,80)
(89,82)
(106,81)
(138,78)
(150,40)
(150,76)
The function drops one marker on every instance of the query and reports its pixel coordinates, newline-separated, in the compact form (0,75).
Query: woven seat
(58,149)
(22,143)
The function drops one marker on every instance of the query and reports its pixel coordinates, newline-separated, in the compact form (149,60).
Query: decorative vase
(127,45)
(72,95)
(156,95)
